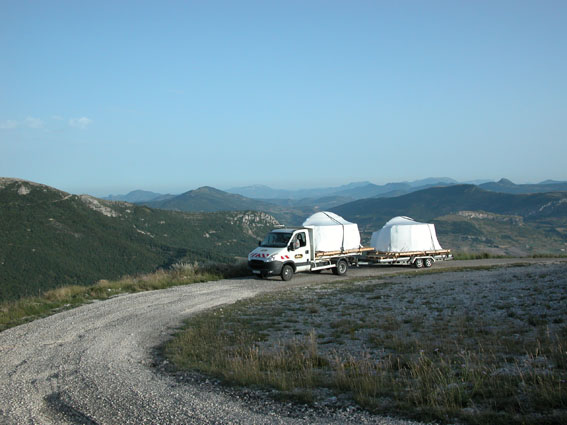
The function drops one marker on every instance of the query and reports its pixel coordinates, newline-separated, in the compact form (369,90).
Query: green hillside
(476,231)
(471,219)
(209,199)
(49,238)
(506,186)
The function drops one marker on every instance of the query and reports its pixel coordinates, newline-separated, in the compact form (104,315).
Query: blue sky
(106,97)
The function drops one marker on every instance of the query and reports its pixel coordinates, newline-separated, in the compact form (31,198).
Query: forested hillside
(50,238)
(209,199)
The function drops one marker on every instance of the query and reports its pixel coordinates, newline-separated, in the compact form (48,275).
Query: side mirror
(290,248)
(259,243)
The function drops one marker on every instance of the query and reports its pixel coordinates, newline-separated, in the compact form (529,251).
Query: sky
(104,97)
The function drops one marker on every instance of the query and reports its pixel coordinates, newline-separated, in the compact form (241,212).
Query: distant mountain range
(210,199)
(207,199)
(139,196)
(506,186)
(352,191)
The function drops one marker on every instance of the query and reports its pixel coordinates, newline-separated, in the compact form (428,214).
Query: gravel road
(96,364)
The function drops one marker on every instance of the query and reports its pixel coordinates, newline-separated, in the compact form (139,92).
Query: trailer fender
(290,263)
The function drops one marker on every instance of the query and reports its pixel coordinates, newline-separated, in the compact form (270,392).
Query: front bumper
(265,268)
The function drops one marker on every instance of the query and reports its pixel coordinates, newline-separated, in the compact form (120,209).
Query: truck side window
(301,239)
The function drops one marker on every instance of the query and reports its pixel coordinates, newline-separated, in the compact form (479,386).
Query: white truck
(325,241)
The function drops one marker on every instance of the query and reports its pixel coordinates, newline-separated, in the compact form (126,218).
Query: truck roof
(287,229)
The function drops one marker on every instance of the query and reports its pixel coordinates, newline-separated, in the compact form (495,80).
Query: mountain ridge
(507,186)
(139,196)
(357,190)
(354,190)
(207,199)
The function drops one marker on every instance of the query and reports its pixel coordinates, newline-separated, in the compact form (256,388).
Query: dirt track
(94,364)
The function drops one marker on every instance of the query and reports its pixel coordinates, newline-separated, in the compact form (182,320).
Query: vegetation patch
(482,347)
(26,309)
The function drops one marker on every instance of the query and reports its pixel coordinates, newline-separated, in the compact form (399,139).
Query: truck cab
(283,252)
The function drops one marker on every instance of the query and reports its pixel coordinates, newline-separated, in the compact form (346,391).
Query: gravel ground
(96,364)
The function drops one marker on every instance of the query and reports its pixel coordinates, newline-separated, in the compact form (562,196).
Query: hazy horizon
(102,193)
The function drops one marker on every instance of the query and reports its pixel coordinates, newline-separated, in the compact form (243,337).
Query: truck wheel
(418,263)
(341,268)
(428,262)
(287,272)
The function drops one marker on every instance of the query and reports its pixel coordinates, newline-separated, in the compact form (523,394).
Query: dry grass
(429,347)
(13,313)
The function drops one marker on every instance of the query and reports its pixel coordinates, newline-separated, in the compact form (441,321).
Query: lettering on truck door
(301,252)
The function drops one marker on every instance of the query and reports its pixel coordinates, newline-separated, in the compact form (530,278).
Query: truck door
(300,251)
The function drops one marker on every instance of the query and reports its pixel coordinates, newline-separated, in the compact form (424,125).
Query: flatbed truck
(417,259)
(290,250)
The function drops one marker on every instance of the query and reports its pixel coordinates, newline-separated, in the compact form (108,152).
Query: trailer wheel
(428,262)
(341,268)
(287,272)
(418,263)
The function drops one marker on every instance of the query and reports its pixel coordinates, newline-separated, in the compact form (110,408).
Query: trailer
(417,259)
(404,241)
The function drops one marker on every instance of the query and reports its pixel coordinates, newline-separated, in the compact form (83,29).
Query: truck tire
(287,272)
(428,262)
(341,268)
(418,263)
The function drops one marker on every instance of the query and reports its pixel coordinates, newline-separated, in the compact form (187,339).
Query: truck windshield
(276,240)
